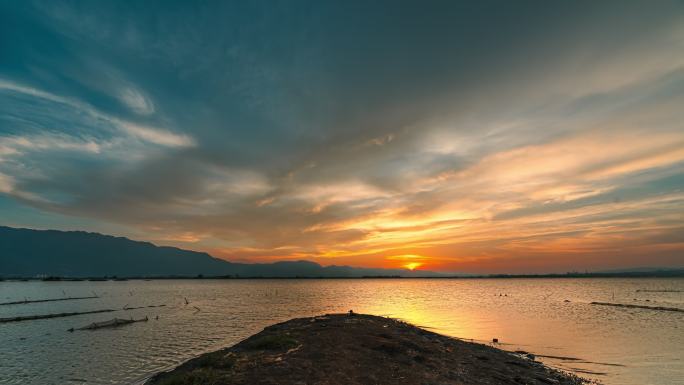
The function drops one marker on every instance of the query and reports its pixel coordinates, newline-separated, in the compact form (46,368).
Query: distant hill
(28,253)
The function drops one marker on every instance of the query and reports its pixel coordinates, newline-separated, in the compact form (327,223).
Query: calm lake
(612,344)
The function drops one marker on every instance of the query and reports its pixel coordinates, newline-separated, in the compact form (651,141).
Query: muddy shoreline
(360,350)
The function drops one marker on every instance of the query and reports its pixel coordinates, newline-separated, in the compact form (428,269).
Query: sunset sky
(492,136)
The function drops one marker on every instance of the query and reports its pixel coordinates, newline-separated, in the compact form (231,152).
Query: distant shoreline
(649,274)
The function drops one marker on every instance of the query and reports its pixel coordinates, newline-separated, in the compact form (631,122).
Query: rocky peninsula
(359,349)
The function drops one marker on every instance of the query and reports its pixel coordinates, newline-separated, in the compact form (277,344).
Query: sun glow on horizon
(412,265)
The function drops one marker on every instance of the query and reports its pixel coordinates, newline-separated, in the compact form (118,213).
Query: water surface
(615,345)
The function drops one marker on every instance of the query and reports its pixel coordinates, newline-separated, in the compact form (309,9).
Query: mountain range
(29,253)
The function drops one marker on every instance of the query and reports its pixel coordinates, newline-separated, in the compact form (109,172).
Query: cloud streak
(150,134)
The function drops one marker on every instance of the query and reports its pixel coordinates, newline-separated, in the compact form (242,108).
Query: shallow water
(614,345)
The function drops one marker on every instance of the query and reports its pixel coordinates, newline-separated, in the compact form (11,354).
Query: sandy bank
(358,349)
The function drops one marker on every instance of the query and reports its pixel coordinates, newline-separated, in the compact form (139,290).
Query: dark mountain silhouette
(27,253)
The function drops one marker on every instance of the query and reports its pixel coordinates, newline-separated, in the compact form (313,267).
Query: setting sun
(412,265)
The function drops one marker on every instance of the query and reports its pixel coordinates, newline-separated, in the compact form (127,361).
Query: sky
(488,136)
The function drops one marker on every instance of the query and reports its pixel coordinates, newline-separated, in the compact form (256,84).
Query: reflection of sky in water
(523,314)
